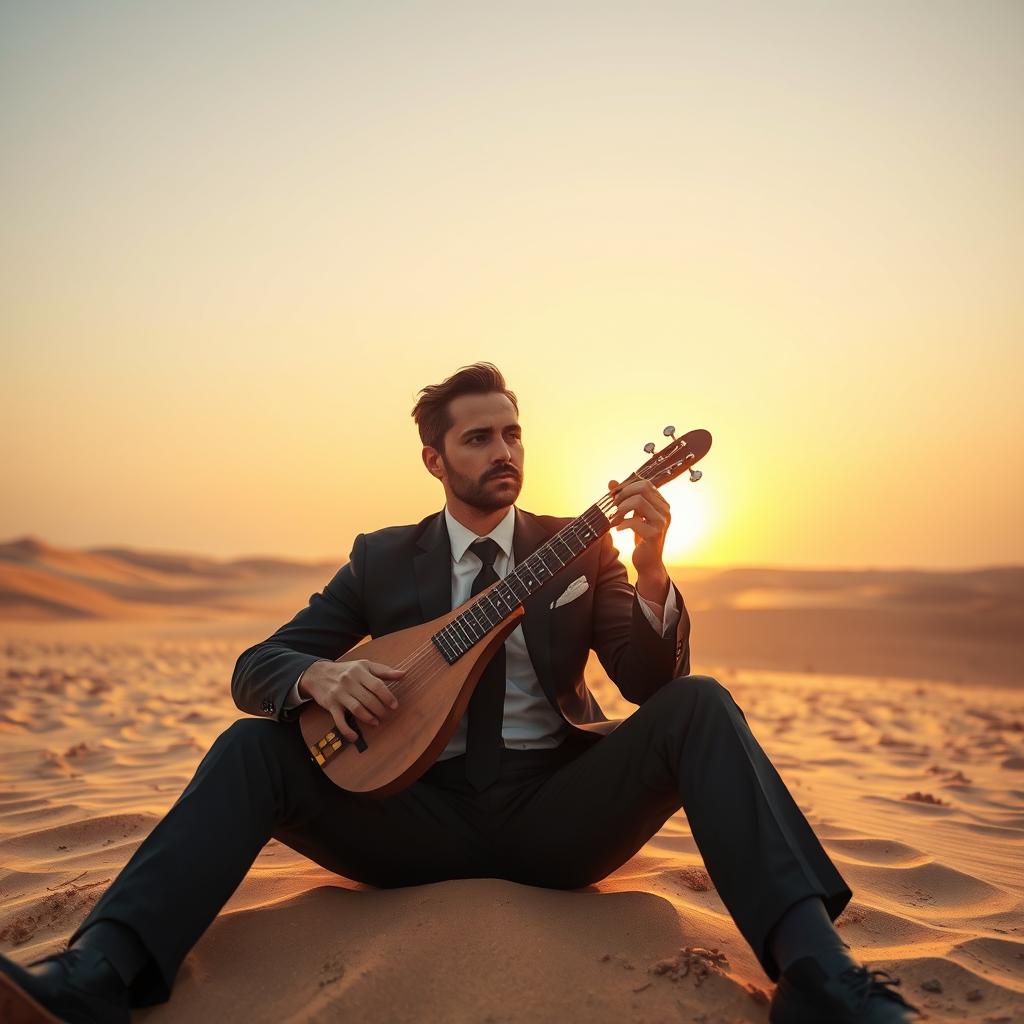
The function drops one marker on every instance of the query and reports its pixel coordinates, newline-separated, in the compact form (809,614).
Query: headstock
(681,454)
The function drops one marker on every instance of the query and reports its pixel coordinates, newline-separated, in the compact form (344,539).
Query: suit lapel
(433,569)
(529,535)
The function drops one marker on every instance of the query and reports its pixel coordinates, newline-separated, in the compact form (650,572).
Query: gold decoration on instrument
(324,749)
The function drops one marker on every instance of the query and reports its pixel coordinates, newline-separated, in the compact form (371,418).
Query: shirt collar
(461,538)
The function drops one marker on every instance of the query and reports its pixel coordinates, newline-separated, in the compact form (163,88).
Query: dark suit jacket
(401,576)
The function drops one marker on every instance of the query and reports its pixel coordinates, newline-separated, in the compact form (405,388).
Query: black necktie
(487,705)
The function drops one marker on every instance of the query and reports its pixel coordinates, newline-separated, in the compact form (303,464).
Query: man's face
(482,461)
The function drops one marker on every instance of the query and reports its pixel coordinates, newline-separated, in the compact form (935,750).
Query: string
(418,657)
(422,656)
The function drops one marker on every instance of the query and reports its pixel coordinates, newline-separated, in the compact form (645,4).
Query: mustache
(508,471)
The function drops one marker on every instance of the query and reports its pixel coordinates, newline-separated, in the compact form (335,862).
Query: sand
(915,786)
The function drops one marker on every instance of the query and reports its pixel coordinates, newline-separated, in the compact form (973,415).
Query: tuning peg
(670,432)
(695,475)
(649,447)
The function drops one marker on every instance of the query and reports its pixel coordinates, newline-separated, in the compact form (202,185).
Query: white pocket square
(575,589)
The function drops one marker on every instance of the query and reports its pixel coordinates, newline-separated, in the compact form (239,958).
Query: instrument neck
(474,622)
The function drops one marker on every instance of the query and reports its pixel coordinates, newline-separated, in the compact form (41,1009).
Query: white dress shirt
(529,720)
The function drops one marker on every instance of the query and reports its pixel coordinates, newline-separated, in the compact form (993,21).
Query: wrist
(654,586)
(311,672)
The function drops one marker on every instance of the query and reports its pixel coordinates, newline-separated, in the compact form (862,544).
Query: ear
(433,461)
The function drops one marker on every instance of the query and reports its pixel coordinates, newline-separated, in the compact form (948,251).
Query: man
(535,785)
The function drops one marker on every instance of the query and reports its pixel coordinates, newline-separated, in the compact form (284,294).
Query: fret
(457,626)
(480,615)
(468,628)
(473,619)
(552,561)
(458,643)
(514,578)
(531,572)
(554,555)
(489,610)
(477,618)
(458,635)
(561,540)
(446,652)
(502,599)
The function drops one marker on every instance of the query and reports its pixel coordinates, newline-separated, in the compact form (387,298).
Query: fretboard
(475,621)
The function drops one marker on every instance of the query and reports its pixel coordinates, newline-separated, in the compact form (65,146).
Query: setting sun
(693,518)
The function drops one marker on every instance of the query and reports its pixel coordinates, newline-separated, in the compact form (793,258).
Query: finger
(639,506)
(623,506)
(636,486)
(651,511)
(353,704)
(637,524)
(372,702)
(619,519)
(645,538)
(641,527)
(645,488)
(625,523)
(380,688)
(385,671)
(337,712)
(620,491)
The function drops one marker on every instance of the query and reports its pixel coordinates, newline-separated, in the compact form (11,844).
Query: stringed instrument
(443,659)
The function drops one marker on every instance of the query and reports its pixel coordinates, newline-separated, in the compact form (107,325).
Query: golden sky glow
(238,238)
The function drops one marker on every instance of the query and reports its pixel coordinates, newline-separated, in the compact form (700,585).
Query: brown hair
(431,409)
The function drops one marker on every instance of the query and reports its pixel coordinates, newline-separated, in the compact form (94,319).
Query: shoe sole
(18,1007)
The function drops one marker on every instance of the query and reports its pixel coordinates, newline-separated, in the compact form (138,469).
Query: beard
(485,494)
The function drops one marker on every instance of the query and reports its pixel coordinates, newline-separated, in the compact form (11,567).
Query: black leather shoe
(834,989)
(78,986)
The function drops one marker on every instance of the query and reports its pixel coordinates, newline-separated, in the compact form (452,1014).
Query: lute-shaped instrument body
(443,659)
(432,698)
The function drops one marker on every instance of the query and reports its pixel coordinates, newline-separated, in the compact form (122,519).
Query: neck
(479,521)
(494,605)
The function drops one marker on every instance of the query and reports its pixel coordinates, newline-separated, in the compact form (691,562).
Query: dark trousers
(561,818)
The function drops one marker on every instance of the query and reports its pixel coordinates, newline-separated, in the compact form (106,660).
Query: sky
(238,238)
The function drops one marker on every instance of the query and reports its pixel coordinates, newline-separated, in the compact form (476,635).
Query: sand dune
(43,583)
(961,626)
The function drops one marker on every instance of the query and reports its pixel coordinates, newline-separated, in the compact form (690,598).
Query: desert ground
(890,702)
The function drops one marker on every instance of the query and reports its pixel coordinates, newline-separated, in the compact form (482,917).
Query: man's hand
(649,522)
(358,686)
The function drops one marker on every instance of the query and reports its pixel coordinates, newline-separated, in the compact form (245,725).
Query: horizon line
(29,539)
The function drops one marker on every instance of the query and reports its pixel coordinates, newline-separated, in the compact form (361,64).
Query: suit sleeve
(636,657)
(332,623)
(293,700)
